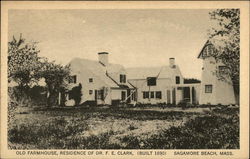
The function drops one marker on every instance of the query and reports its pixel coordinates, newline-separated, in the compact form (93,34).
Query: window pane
(208,88)
(177,80)
(124,79)
(90,92)
(158,94)
(152,94)
(151,81)
(204,52)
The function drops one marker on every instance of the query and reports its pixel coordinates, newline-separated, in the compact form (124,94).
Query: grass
(124,128)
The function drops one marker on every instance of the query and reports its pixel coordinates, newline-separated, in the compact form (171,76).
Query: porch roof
(187,85)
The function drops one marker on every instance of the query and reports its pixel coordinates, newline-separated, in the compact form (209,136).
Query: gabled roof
(94,67)
(100,71)
(160,72)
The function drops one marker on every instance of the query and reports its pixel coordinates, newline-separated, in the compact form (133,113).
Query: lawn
(150,127)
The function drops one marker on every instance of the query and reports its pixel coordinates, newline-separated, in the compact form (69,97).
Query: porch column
(171,97)
(59,98)
(175,94)
(191,98)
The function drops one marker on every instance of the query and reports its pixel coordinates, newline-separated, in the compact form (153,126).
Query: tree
(55,76)
(23,62)
(225,37)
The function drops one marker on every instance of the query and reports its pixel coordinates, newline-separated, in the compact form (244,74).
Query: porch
(190,92)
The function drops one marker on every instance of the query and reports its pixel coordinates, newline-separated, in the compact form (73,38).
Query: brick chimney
(172,62)
(103,58)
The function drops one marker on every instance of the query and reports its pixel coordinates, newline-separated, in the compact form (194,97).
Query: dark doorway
(186,94)
(193,96)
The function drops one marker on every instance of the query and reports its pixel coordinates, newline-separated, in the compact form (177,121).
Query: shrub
(76,94)
(208,132)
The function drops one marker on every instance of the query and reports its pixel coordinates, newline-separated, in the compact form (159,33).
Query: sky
(133,37)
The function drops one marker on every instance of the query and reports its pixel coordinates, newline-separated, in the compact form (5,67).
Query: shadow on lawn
(217,129)
(117,113)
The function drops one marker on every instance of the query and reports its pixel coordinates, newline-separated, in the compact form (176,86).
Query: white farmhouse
(213,90)
(106,83)
(162,85)
(101,81)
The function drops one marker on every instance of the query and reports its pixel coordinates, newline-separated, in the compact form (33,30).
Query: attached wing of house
(156,84)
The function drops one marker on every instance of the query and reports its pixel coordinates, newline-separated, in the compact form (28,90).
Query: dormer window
(90,80)
(204,54)
(208,51)
(122,78)
(72,79)
(151,81)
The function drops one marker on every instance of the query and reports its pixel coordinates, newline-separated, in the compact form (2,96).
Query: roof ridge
(80,58)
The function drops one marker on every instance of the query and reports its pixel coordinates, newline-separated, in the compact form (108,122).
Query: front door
(186,94)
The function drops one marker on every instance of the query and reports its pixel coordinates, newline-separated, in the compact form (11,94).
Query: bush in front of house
(76,94)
